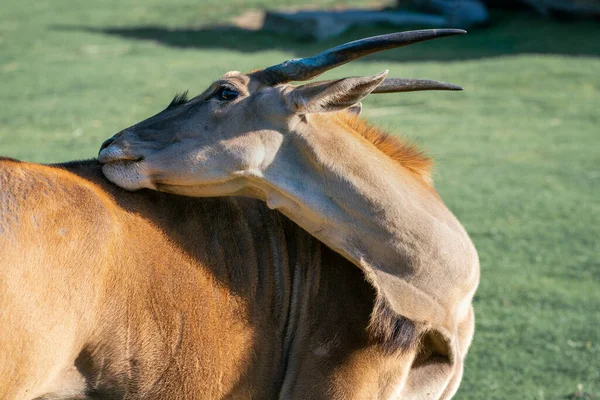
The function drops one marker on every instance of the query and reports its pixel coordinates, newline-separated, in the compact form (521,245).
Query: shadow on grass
(509,34)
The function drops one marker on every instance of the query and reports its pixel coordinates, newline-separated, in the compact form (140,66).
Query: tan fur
(111,294)
(406,154)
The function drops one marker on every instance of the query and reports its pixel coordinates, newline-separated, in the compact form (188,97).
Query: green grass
(518,153)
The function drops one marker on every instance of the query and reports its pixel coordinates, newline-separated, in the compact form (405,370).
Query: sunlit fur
(108,294)
(406,154)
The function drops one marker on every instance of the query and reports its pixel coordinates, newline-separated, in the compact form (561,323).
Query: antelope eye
(227,93)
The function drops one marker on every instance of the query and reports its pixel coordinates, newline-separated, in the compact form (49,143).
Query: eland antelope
(235,276)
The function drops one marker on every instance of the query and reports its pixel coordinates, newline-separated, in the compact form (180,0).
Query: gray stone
(321,25)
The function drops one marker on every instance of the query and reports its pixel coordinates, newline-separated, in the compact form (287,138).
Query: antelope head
(243,125)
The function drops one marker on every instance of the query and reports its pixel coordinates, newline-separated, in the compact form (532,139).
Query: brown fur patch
(404,153)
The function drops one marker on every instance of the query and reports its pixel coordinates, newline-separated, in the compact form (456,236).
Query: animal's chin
(129,175)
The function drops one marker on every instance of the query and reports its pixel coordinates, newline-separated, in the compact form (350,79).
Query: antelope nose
(109,141)
(106,143)
(110,152)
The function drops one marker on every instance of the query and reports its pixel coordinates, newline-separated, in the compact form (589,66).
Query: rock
(320,25)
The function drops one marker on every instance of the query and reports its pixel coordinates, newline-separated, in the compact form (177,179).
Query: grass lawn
(518,152)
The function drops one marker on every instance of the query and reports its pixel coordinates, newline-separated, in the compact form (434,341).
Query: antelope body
(111,294)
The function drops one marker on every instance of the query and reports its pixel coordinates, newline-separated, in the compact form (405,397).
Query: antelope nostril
(107,143)
(113,150)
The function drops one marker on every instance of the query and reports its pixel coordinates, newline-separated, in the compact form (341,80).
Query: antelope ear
(329,96)
(355,109)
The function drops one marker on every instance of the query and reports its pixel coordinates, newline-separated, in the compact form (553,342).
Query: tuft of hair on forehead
(404,153)
(179,99)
